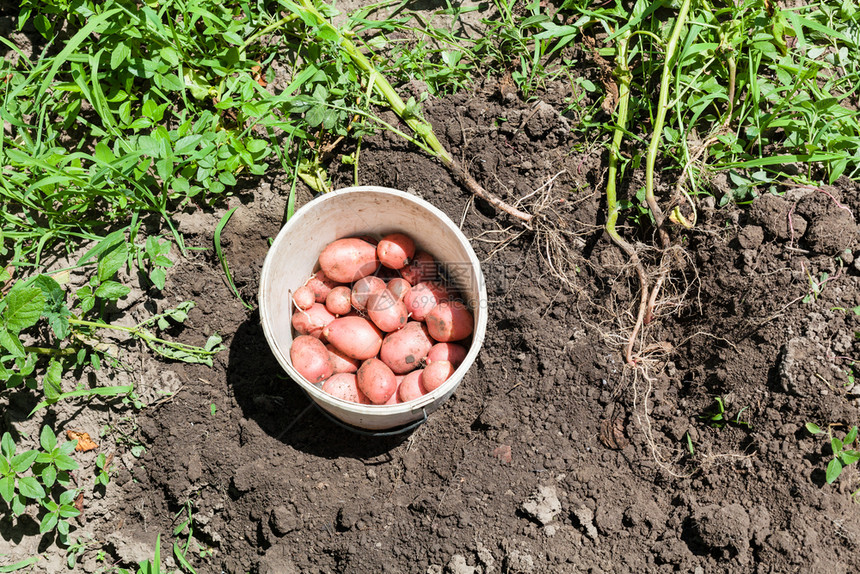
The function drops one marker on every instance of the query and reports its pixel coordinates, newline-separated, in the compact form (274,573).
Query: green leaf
(112,290)
(23,461)
(19,505)
(68,496)
(836,445)
(7,445)
(11,343)
(47,438)
(52,383)
(49,522)
(180,558)
(158,277)
(849,457)
(67,511)
(29,486)
(834,467)
(851,437)
(120,53)
(7,488)
(20,565)
(23,308)
(65,462)
(49,476)
(112,260)
(813,428)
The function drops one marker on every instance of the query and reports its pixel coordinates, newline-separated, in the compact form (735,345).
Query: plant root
(475,188)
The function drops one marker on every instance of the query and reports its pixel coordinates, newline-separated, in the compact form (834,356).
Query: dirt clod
(543,505)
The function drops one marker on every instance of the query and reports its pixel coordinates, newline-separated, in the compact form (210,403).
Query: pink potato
(451,352)
(338,300)
(310,358)
(395,250)
(304,297)
(435,374)
(355,337)
(450,321)
(320,285)
(363,289)
(386,311)
(404,350)
(392,400)
(422,268)
(340,363)
(376,381)
(347,260)
(399,286)
(411,387)
(345,386)
(423,297)
(312,321)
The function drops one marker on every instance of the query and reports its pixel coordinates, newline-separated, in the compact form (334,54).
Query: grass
(126,113)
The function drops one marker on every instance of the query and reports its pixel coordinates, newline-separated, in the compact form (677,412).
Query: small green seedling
(103,469)
(715,415)
(842,455)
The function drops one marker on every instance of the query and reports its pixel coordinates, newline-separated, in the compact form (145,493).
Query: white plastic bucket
(376,211)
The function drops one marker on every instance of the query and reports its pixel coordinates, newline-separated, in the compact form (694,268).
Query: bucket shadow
(281,408)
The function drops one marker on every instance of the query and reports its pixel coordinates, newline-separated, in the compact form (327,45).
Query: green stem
(139,331)
(50,351)
(623,76)
(415,123)
(662,108)
(267,29)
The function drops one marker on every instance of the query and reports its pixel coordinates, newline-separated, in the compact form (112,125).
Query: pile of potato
(376,323)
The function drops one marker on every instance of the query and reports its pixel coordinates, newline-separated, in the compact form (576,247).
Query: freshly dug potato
(310,358)
(435,374)
(450,321)
(376,381)
(411,387)
(338,300)
(347,260)
(364,288)
(340,363)
(399,286)
(345,386)
(320,285)
(355,337)
(303,297)
(451,352)
(386,311)
(312,321)
(421,299)
(421,268)
(404,350)
(395,250)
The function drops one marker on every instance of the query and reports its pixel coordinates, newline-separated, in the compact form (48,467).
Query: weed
(842,454)
(716,416)
(34,475)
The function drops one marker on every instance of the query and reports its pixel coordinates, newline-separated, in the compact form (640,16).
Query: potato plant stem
(657,134)
(138,331)
(623,76)
(415,123)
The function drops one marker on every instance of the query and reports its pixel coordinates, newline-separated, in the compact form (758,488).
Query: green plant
(103,469)
(843,455)
(76,341)
(717,416)
(32,475)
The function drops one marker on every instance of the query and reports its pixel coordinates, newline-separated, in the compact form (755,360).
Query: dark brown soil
(553,456)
